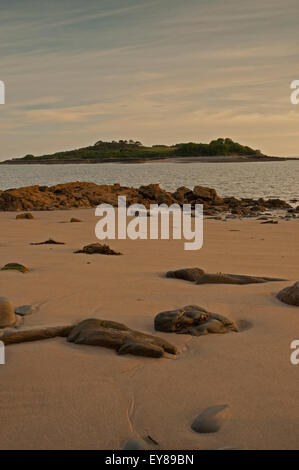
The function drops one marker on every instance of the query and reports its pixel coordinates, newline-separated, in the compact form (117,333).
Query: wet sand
(57,395)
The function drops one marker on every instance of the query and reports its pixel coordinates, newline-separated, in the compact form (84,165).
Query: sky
(158,71)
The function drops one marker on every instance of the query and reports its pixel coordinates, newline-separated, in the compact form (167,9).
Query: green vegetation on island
(130,150)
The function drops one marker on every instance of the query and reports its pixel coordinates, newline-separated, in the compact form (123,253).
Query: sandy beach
(57,395)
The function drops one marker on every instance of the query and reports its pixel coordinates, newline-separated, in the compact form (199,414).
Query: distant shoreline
(177,159)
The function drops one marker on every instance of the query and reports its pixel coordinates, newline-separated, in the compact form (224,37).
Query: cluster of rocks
(93,332)
(81,194)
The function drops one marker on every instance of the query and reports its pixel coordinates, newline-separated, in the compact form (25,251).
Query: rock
(198,276)
(209,420)
(117,336)
(73,219)
(48,242)
(25,310)
(270,222)
(26,215)
(16,267)
(135,444)
(188,274)
(221,278)
(7,314)
(97,248)
(193,320)
(34,334)
(82,195)
(290,295)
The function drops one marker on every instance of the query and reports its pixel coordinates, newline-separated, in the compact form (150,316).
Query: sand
(57,395)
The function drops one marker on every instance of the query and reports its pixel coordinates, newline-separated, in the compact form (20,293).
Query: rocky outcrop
(80,194)
(290,295)
(193,320)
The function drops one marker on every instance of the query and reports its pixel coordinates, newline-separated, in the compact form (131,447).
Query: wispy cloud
(160,70)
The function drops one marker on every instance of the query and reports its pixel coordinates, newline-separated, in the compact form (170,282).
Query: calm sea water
(273,179)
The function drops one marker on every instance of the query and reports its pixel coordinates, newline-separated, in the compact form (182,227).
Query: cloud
(155,71)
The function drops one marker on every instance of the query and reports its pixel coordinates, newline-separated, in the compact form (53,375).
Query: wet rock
(199,276)
(187,274)
(117,336)
(97,248)
(26,215)
(221,278)
(25,310)
(290,295)
(209,420)
(24,335)
(15,267)
(193,320)
(50,241)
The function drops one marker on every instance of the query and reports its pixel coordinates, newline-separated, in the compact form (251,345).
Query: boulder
(290,295)
(198,276)
(118,336)
(7,314)
(193,320)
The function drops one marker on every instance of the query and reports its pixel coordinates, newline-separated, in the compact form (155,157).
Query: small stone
(97,248)
(24,310)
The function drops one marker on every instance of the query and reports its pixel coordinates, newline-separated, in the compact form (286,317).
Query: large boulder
(290,295)
(118,336)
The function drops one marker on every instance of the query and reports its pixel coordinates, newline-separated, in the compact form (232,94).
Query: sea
(278,179)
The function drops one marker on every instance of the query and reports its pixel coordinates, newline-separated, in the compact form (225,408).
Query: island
(131,151)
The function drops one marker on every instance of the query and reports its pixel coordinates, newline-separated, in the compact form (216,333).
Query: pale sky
(159,71)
